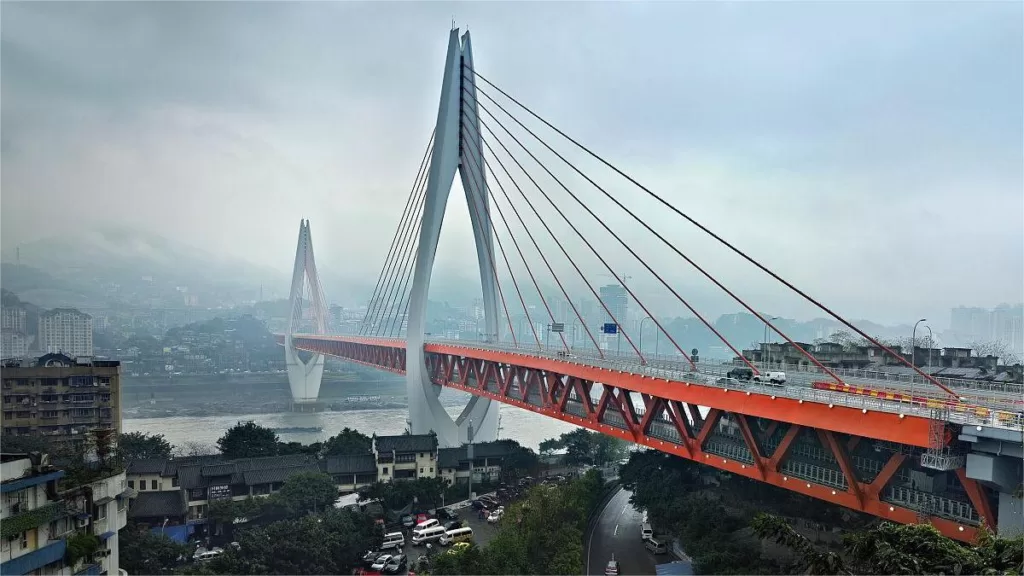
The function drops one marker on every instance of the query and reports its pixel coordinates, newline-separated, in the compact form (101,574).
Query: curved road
(617,532)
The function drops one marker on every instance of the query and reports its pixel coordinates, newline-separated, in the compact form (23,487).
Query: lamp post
(642,332)
(913,355)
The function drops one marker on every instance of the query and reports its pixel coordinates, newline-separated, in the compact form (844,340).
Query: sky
(869,152)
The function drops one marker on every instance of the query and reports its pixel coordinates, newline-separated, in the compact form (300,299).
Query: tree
(193,448)
(139,445)
(307,492)
(143,552)
(900,549)
(999,349)
(248,440)
(549,446)
(348,442)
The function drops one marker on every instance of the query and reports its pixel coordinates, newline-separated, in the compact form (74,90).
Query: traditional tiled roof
(172,465)
(406,443)
(147,466)
(269,475)
(235,471)
(223,469)
(158,504)
(349,464)
(451,457)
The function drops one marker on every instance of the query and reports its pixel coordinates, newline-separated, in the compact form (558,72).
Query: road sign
(558,327)
(610,328)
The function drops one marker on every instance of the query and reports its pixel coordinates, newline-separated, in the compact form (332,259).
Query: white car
(381,562)
(496,515)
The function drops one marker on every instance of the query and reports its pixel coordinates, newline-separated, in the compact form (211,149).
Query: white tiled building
(66,330)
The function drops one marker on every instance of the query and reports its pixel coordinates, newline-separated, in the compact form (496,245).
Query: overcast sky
(871,152)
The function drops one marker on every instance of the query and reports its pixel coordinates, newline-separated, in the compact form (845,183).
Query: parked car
(421,518)
(478,504)
(452,525)
(396,564)
(496,515)
(370,557)
(381,562)
(408,520)
(446,514)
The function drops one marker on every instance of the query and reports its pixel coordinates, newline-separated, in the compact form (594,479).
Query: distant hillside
(122,264)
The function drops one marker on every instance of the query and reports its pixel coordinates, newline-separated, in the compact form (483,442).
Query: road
(617,532)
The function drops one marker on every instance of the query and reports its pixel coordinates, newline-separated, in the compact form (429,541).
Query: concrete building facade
(61,398)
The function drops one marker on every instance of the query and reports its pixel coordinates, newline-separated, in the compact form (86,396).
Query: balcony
(36,559)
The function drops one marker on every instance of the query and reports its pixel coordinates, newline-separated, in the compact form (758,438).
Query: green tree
(307,492)
(139,445)
(813,560)
(347,442)
(143,552)
(248,440)
(549,446)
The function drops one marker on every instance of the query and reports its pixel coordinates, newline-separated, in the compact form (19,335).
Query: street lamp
(913,343)
(913,355)
(642,332)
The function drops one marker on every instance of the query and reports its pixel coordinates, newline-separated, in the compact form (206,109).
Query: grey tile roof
(451,457)
(350,464)
(268,475)
(213,470)
(172,466)
(407,443)
(191,477)
(158,504)
(147,466)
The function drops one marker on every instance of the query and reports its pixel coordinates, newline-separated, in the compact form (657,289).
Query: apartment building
(67,331)
(483,461)
(61,398)
(40,516)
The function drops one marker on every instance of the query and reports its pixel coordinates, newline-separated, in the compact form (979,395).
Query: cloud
(869,151)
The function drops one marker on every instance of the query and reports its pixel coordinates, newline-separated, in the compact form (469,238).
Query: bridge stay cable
(477,210)
(402,276)
(391,283)
(555,238)
(644,263)
(723,242)
(529,234)
(708,275)
(384,305)
(372,305)
(480,179)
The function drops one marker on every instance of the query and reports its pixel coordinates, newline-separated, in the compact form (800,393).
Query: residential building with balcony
(405,456)
(40,515)
(61,398)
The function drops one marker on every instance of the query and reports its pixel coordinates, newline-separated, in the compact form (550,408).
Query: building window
(152,484)
(421,470)
(142,484)
(131,484)
(384,471)
(421,454)
(174,481)
(431,470)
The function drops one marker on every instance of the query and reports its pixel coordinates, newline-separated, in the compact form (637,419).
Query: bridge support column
(449,156)
(305,376)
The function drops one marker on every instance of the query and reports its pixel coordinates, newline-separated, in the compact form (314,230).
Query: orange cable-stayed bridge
(908,448)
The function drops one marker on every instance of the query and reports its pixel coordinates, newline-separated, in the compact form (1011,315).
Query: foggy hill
(118,263)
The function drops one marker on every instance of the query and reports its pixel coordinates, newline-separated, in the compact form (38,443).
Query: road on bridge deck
(617,531)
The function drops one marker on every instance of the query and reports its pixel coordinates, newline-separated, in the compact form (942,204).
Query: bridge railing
(996,412)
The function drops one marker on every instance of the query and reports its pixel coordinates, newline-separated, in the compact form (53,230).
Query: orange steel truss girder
(513,375)
(911,430)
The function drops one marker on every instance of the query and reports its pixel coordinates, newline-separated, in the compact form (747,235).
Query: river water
(527,428)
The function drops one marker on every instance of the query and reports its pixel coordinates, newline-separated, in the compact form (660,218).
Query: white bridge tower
(304,377)
(457,123)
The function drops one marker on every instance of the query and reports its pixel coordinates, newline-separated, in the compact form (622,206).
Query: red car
(421,518)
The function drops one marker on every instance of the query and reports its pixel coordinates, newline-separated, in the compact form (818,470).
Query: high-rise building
(12,318)
(66,331)
(61,398)
(1003,324)
(616,299)
(13,344)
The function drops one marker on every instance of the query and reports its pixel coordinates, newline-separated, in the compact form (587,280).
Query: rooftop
(406,443)
(158,504)
(350,464)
